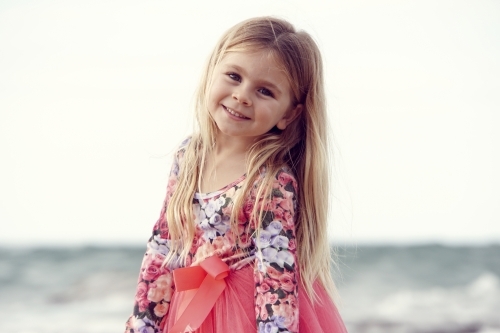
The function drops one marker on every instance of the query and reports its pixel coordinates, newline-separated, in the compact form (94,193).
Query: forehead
(259,65)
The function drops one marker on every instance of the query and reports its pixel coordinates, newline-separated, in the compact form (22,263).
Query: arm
(276,266)
(155,282)
(154,288)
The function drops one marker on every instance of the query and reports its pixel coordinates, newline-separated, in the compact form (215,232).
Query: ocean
(403,289)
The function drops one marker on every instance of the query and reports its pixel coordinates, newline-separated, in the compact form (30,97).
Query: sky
(96,95)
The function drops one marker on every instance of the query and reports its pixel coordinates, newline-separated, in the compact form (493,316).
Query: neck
(224,164)
(226,145)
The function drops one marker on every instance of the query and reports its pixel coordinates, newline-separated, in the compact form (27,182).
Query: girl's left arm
(276,271)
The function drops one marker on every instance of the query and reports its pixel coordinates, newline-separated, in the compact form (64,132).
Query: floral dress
(263,278)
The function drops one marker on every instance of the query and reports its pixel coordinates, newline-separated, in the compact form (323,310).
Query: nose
(242,96)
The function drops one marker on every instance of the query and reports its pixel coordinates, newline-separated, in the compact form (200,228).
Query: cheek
(216,92)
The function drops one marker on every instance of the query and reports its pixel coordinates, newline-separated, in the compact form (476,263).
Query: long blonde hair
(302,146)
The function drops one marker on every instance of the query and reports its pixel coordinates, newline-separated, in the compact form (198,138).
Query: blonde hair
(302,146)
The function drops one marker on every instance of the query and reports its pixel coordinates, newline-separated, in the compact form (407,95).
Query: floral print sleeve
(155,283)
(275,272)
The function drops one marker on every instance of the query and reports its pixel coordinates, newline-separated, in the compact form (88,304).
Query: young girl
(241,242)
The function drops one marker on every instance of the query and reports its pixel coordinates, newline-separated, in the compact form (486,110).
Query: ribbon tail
(189,329)
(186,298)
(200,305)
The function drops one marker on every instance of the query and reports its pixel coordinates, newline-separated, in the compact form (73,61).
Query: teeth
(234,113)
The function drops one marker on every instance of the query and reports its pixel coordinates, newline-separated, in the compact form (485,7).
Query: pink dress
(263,291)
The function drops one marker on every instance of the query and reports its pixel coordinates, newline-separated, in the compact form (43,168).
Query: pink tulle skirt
(234,310)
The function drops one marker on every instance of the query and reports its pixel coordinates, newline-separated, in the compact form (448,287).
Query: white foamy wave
(101,285)
(97,303)
(471,308)
(425,289)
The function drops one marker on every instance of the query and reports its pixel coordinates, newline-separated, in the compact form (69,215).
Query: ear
(289,117)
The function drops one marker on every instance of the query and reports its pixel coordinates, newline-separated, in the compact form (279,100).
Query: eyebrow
(265,83)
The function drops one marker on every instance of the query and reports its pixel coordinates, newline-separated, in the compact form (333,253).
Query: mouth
(234,113)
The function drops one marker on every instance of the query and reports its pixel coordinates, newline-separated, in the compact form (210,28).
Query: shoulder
(287,178)
(180,152)
(279,181)
(283,176)
(182,147)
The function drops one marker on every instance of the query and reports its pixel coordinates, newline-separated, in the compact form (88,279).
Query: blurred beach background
(96,95)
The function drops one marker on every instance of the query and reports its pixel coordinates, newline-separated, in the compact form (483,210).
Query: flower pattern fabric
(271,250)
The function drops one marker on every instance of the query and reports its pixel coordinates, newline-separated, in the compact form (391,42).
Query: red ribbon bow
(202,286)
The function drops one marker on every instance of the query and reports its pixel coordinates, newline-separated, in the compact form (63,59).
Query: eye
(234,77)
(266,92)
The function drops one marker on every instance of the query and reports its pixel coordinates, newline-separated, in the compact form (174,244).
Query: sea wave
(426,289)
(470,308)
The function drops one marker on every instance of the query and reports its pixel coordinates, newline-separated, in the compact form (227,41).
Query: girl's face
(250,95)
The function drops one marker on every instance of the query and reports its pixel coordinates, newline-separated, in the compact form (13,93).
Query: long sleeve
(154,289)
(276,267)
(155,283)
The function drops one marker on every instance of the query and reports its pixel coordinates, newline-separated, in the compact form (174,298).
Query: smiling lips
(234,113)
